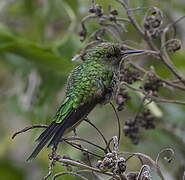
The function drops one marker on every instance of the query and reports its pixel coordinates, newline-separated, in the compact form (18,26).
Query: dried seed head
(98,10)
(152,23)
(121,165)
(129,76)
(82,33)
(110,155)
(156,23)
(173,45)
(98,164)
(122,96)
(131,130)
(114,12)
(133,126)
(152,84)
(132,175)
(120,99)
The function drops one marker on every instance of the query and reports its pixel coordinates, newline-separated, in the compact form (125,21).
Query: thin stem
(157,99)
(144,172)
(154,98)
(84,166)
(164,55)
(150,160)
(175,22)
(29,128)
(51,165)
(132,155)
(84,140)
(101,134)
(118,121)
(162,151)
(108,144)
(136,25)
(172,84)
(79,147)
(95,174)
(67,173)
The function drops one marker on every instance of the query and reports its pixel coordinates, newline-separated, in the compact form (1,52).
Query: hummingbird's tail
(56,130)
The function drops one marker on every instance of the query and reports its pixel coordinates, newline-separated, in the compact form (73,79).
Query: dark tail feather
(43,139)
(52,130)
(56,130)
(45,132)
(67,122)
(57,137)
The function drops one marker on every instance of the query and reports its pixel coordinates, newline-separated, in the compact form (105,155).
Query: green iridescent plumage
(87,85)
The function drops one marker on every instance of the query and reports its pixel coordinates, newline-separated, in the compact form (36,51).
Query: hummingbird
(89,84)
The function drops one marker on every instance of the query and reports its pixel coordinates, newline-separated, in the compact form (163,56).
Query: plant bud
(173,45)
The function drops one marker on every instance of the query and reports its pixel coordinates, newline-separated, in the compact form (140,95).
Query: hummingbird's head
(109,53)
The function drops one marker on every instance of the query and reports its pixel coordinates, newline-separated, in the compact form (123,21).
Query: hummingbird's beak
(127,52)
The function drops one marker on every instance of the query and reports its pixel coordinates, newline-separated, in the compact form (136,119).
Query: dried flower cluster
(129,76)
(113,163)
(122,97)
(152,23)
(133,126)
(152,84)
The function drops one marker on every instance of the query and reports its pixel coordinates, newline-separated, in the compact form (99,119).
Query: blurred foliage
(37,40)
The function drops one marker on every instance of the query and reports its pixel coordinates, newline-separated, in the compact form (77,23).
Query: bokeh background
(38,38)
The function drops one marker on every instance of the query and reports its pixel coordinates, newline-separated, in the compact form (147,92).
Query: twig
(28,128)
(69,173)
(162,151)
(108,144)
(149,159)
(84,166)
(118,121)
(157,99)
(83,24)
(79,147)
(84,140)
(132,155)
(51,165)
(136,25)
(101,134)
(175,22)
(154,98)
(164,55)
(172,84)
(97,176)
(144,172)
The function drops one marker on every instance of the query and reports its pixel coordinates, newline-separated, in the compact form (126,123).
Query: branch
(118,121)
(84,166)
(79,147)
(101,134)
(71,173)
(84,140)
(154,98)
(28,128)
(172,84)
(164,55)
(157,168)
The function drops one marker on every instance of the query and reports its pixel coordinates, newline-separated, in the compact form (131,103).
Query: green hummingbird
(89,84)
